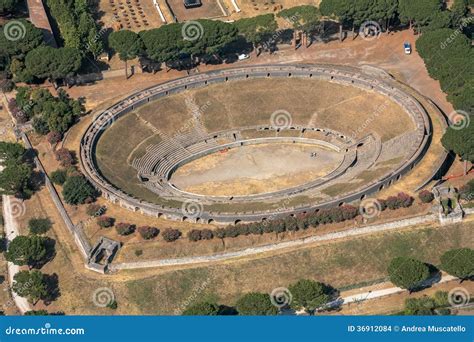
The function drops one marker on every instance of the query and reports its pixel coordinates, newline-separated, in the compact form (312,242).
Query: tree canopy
(126,43)
(255,304)
(77,190)
(309,294)
(460,141)
(31,285)
(459,262)
(25,35)
(27,250)
(257,30)
(407,273)
(48,62)
(202,309)
(8,5)
(418,12)
(16,172)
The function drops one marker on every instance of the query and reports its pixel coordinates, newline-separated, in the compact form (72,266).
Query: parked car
(243,56)
(192,3)
(407,48)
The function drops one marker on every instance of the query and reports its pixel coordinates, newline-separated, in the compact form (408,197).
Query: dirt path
(11,231)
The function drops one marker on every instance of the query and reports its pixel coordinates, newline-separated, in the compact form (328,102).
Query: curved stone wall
(336,74)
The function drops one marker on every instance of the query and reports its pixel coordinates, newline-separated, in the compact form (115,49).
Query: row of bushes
(298,222)
(288,224)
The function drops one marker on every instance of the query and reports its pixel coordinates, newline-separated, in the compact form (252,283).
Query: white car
(407,48)
(243,56)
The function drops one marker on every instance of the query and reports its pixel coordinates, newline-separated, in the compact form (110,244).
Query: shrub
(147,232)
(65,157)
(426,196)
(59,177)
(255,304)
(54,137)
(219,233)
(95,210)
(105,221)
(194,235)
(124,228)
(206,234)
(402,200)
(138,252)
(202,309)
(39,225)
(170,234)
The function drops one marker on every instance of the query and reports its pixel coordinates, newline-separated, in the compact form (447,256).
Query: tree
(342,10)
(8,5)
(257,30)
(215,35)
(163,44)
(418,12)
(27,250)
(59,177)
(148,233)
(105,221)
(202,309)
(124,228)
(255,304)
(194,235)
(305,19)
(14,179)
(127,44)
(426,196)
(407,273)
(51,63)
(461,142)
(170,234)
(77,190)
(31,285)
(309,294)
(39,226)
(459,262)
(19,36)
(11,152)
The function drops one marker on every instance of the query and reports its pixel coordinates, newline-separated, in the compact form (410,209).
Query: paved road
(11,231)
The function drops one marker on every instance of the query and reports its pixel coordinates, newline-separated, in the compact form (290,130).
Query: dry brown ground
(208,9)
(262,168)
(252,8)
(137,15)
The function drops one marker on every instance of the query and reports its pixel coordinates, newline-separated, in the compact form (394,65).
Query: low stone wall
(76,232)
(338,74)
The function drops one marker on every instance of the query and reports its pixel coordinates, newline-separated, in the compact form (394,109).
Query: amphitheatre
(255,143)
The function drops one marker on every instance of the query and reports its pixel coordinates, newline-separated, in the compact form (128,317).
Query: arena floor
(255,169)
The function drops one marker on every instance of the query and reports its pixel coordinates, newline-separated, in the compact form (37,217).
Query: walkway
(11,232)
